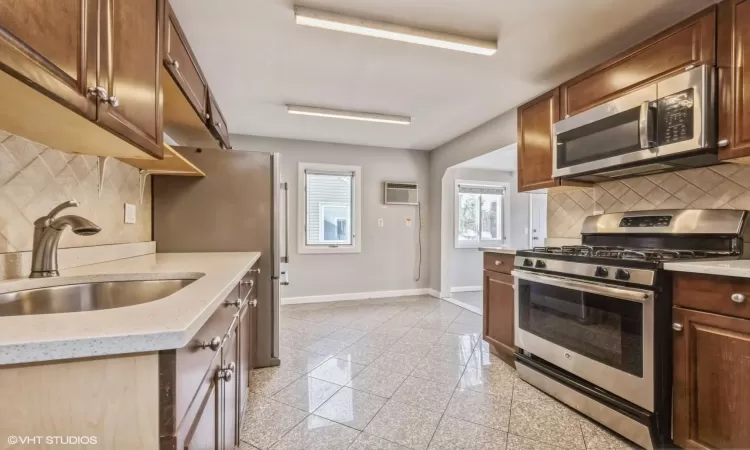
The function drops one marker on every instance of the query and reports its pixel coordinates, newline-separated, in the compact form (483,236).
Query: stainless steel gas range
(593,322)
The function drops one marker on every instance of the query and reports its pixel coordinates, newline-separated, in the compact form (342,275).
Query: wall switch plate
(380,222)
(129,213)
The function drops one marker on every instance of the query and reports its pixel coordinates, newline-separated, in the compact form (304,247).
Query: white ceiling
(257,60)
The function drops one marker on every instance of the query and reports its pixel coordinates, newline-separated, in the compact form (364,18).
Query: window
(329,212)
(479,214)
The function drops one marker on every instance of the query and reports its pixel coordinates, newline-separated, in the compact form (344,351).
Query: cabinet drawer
(217,124)
(498,262)
(179,61)
(192,361)
(713,294)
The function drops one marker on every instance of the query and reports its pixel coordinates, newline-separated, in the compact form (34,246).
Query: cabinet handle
(738,298)
(227,372)
(250,283)
(255,270)
(677,326)
(497,263)
(213,344)
(723,142)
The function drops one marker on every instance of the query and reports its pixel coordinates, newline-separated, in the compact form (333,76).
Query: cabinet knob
(255,270)
(214,344)
(235,303)
(738,298)
(99,92)
(227,372)
(677,326)
(723,142)
(174,63)
(113,101)
(254,302)
(247,283)
(208,116)
(218,124)
(497,263)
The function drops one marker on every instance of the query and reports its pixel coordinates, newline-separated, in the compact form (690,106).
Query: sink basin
(87,296)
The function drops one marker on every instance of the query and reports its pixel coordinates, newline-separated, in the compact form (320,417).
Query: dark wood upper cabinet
(51,45)
(733,51)
(692,41)
(711,391)
(535,120)
(129,71)
(183,66)
(217,124)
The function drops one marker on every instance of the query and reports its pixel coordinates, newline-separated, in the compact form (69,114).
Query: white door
(538,219)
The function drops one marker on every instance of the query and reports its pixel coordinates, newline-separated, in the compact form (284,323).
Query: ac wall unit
(398,193)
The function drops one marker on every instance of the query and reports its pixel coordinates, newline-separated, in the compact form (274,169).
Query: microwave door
(618,132)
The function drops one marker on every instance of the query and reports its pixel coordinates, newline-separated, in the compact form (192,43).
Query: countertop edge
(720,268)
(502,251)
(40,351)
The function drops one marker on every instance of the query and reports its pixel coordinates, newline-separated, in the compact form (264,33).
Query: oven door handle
(633,295)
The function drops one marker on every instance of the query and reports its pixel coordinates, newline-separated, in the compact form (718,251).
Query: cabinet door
(243,358)
(711,380)
(204,431)
(129,71)
(733,51)
(229,432)
(217,124)
(51,45)
(181,64)
(498,316)
(535,121)
(690,42)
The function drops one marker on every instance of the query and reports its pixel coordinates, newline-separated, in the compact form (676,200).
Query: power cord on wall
(419,241)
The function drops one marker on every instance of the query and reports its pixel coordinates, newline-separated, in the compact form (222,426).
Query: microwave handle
(646,125)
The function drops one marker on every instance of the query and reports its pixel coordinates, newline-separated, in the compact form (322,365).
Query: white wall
(388,260)
(490,136)
(465,265)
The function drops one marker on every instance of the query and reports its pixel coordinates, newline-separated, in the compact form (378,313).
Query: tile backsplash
(725,186)
(35,178)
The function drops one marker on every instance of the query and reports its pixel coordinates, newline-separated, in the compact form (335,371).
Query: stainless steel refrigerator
(241,205)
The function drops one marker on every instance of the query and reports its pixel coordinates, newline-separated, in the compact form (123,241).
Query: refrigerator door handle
(285,187)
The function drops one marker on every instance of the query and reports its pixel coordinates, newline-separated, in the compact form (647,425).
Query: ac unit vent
(395,193)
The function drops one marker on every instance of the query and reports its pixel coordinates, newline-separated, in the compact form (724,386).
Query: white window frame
(356,225)
(504,207)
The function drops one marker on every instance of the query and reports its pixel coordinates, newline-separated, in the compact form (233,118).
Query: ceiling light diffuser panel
(349,115)
(384,30)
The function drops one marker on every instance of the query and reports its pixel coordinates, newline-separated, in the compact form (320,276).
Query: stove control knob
(601,272)
(622,274)
(528,263)
(540,264)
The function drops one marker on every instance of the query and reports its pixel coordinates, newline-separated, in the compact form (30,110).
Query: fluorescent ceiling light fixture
(351,115)
(337,22)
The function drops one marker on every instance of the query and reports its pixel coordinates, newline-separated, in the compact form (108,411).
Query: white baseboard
(433,293)
(463,305)
(466,289)
(354,296)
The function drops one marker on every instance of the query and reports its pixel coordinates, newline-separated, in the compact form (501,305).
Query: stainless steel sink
(87,296)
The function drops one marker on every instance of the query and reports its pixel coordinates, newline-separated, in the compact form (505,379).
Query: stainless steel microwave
(668,125)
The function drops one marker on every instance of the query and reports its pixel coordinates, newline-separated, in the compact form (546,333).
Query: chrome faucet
(47,232)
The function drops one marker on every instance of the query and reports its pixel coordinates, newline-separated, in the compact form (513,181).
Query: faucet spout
(47,233)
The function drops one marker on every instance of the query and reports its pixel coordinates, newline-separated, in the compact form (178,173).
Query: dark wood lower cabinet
(498,317)
(711,380)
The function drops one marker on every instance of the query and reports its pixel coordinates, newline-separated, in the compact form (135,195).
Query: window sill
(323,250)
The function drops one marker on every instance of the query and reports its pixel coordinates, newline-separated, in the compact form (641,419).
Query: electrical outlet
(129,213)
(408,221)
(380,222)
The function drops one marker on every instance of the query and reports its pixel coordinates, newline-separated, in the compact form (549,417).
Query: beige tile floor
(403,373)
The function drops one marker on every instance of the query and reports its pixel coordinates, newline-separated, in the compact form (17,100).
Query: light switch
(380,222)
(129,213)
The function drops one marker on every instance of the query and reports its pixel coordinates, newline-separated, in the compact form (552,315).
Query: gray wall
(388,260)
(465,265)
(490,136)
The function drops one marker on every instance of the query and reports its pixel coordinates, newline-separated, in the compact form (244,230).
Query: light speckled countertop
(733,268)
(162,324)
(502,250)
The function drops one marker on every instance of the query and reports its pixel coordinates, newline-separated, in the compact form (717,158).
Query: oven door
(601,333)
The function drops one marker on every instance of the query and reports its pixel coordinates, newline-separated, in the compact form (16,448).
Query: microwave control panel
(674,118)
(646,221)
